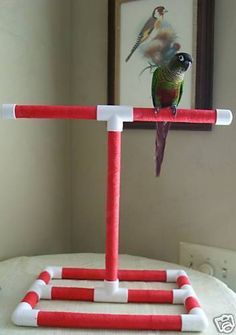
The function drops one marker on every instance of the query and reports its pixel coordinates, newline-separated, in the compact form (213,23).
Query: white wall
(88,137)
(34,168)
(194,200)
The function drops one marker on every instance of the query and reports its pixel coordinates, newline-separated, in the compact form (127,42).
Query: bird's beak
(187,64)
(165,11)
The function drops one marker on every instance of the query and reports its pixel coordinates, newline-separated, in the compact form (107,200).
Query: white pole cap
(7,111)
(224,117)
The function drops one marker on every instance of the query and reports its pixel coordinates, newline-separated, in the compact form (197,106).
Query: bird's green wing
(155,101)
(180,92)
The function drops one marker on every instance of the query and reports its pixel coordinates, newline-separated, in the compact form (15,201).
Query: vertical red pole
(113,205)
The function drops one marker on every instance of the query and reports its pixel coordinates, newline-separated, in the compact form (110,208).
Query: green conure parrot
(152,23)
(167,90)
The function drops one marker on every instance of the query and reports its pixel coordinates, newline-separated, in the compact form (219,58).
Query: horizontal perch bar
(49,112)
(170,276)
(109,321)
(116,113)
(184,115)
(88,294)
(123,275)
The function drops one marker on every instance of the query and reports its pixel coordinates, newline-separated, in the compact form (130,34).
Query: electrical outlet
(220,263)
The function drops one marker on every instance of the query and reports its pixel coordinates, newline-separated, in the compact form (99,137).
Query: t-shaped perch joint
(115,116)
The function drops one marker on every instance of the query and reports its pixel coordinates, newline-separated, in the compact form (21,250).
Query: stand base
(194,320)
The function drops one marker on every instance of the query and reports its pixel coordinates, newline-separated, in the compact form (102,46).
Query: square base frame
(194,320)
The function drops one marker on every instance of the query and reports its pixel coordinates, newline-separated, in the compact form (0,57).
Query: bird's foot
(157,110)
(174,110)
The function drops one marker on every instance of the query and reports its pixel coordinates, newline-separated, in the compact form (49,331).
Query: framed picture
(193,24)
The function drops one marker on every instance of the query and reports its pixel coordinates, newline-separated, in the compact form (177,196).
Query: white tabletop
(17,275)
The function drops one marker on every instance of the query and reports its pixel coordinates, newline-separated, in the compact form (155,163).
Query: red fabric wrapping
(113,205)
(56,112)
(183,115)
(31,298)
(150,296)
(142,275)
(191,303)
(109,321)
(90,112)
(45,276)
(72,293)
(183,280)
(123,275)
(81,274)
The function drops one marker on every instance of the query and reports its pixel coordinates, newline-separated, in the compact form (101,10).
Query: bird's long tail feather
(162,129)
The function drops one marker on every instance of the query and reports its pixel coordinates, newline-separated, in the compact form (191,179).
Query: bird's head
(180,62)
(159,12)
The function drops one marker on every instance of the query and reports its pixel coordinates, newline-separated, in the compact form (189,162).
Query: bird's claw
(173,110)
(157,110)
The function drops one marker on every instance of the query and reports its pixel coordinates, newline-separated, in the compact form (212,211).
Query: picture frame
(202,43)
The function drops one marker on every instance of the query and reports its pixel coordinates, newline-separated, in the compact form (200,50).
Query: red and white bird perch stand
(194,320)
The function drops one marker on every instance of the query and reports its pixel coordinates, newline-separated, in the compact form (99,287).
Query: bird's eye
(181,58)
